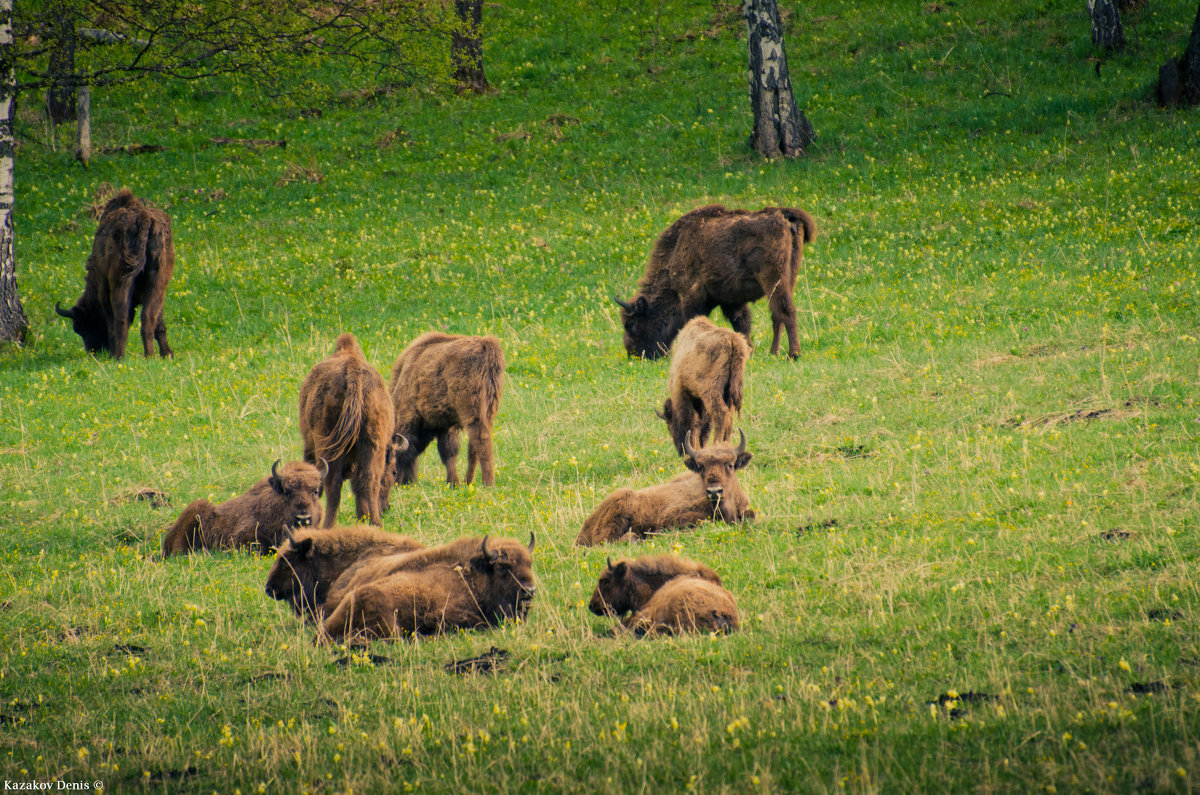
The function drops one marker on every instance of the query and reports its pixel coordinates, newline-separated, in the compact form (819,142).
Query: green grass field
(978,488)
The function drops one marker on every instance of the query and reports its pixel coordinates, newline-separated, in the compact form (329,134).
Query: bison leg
(365,482)
(118,328)
(783,315)
(153,327)
(479,451)
(739,319)
(447,444)
(333,492)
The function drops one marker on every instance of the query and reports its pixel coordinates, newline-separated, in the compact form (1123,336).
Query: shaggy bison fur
(706,383)
(309,562)
(709,491)
(442,384)
(492,584)
(628,584)
(289,497)
(347,419)
(714,256)
(132,260)
(686,604)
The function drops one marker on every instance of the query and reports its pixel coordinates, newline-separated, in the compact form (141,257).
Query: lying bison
(665,594)
(309,562)
(714,257)
(709,491)
(289,497)
(132,260)
(628,584)
(494,584)
(441,384)
(708,372)
(346,418)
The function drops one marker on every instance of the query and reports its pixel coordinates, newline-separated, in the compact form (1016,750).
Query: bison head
(649,328)
(717,467)
(619,591)
(397,446)
(293,577)
(299,487)
(500,576)
(89,325)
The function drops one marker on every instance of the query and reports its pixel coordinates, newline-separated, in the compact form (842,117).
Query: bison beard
(132,260)
(716,257)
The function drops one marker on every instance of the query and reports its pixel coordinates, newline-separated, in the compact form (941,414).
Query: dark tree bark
(1179,78)
(780,128)
(60,94)
(13,322)
(1107,31)
(466,47)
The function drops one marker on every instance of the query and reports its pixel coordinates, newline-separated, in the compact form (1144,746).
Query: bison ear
(689,461)
(742,460)
(641,306)
(619,570)
(303,548)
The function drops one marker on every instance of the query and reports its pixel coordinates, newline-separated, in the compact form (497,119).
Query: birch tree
(13,322)
(780,128)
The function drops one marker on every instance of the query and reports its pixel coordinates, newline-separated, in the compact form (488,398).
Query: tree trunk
(83,141)
(60,97)
(466,47)
(12,316)
(780,128)
(1107,31)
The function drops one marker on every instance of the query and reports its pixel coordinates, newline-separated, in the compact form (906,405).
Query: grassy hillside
(978,489)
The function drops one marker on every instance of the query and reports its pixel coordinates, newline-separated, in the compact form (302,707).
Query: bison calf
(289,497)
(706,383)
(709,491)
(442,384)
(309,562)
(665,594)
(493,584)
(132,260)
(347,419)
(714,256)
(627,585)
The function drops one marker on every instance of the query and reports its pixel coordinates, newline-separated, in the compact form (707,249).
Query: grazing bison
(309,561)
(709,491)
(346,418)
(627,585)
(131,263)
(441,384)
(714,256)
(289,497)
(686,604)
(708,370)
(493,584)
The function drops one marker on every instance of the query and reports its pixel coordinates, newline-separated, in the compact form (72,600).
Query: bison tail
(492,366)
(736,383)
(345,431)
(797,216)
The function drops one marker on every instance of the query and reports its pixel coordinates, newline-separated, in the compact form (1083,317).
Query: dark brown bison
(709,491)
(494,584)
(289,497)
(628,584)
(706,383)
(714,256)
(346,418)
(441,384)
(131,263)
(686,604)
(309,561)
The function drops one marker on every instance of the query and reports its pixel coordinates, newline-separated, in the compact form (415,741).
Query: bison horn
(532,540)
(488,555)
(687,447)
(402,443)
(64,312)
(324,467)
(628,307)
(275,474)
(742,447)
(609,559)
(660,415)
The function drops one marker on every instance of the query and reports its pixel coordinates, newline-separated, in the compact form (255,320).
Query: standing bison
(714,257)
(493,584)
(710,491)
(132,260)
(346,418)
(309,562)
(263,516)
(706,383)
(441,384)
(665,594)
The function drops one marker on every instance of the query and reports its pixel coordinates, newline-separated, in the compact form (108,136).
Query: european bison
(132,260)
(628,584)
(289,497)
(714,256)
(706,383)
(709,491)
(441,384)
(686,604)
(309,561)
(347,419)
(493,584)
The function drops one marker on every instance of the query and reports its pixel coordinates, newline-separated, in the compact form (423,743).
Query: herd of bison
(360,582)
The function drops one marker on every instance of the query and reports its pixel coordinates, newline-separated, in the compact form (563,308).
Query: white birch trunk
(83,140)
(12,316)
(780,128)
